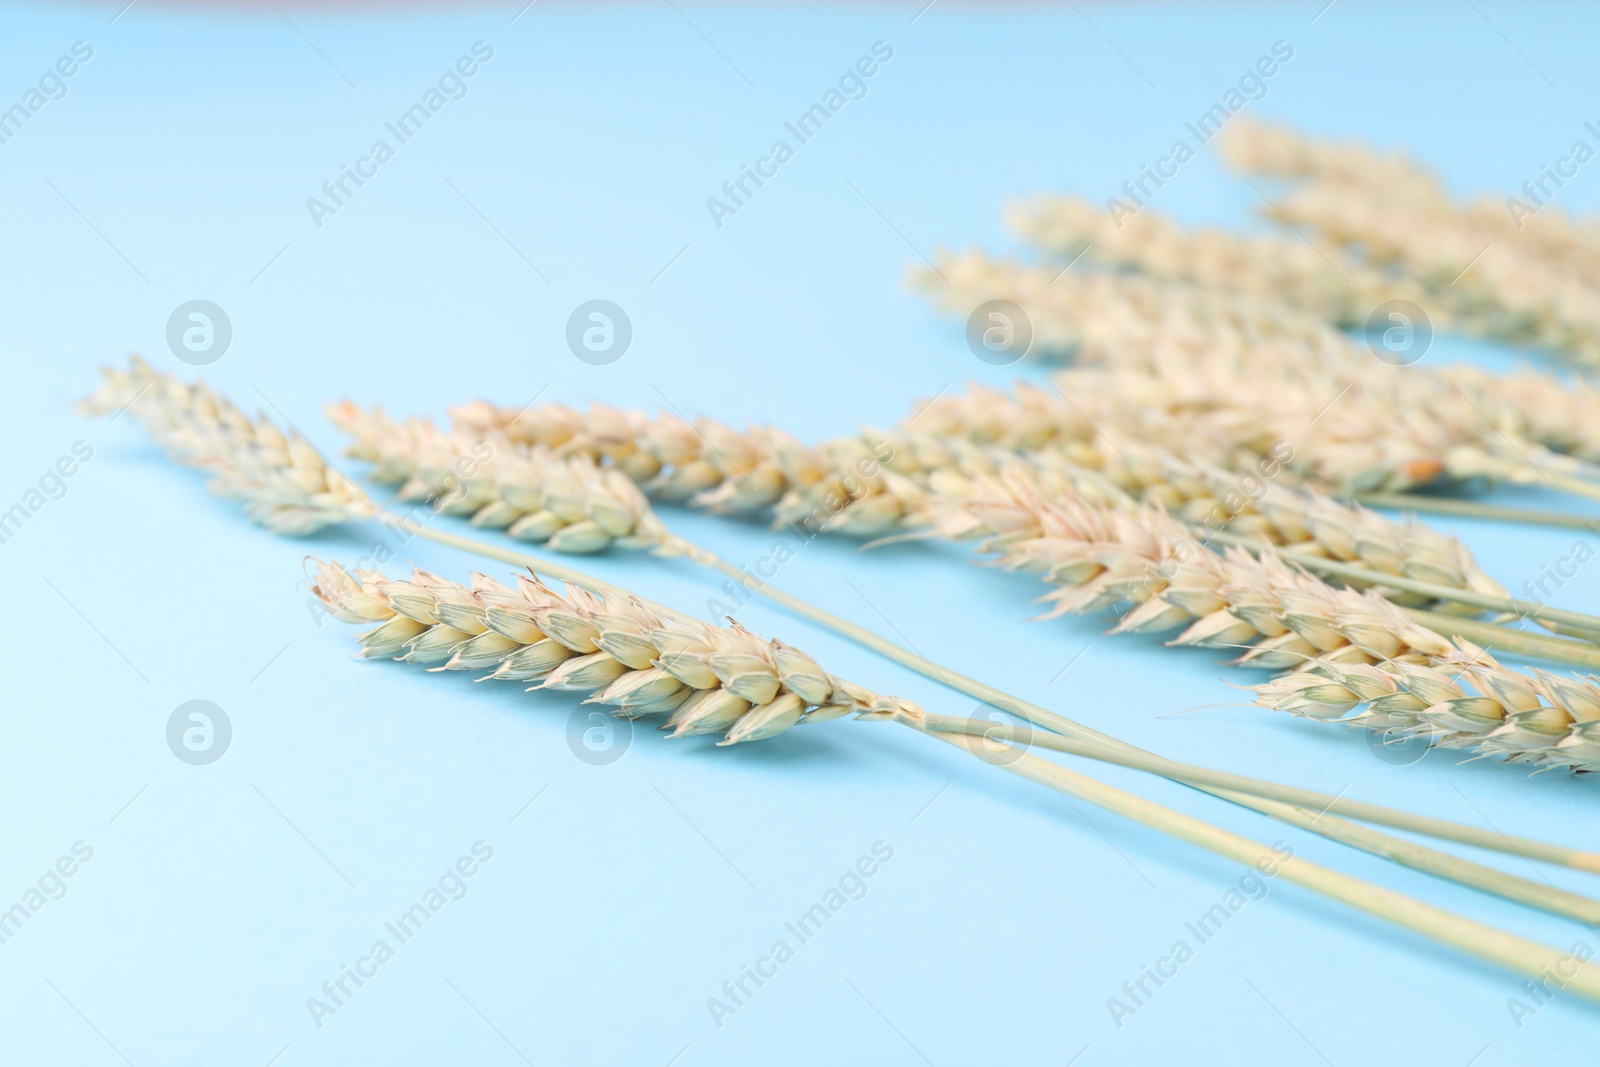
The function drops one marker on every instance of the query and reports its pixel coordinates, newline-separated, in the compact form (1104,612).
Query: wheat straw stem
(1576,486)
(1308,810)
(1474,938)
(1410,854)
(1473,509)
(1239,789)
(1512,642)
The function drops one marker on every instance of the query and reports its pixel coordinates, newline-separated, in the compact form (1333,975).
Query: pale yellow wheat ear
(1245,299)
(705,679)
(611,647)
(1270,268)
(1463,700)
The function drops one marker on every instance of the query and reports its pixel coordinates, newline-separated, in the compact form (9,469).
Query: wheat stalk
(890,503)
(708,679)
(1095,557)
(1485,942)
(1462,700)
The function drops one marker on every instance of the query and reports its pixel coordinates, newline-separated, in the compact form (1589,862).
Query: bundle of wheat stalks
(648,660)
(566,478)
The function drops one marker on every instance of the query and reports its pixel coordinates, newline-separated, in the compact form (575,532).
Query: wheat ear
(1104,557)
(705,679)
(1463,700)
(1239,789)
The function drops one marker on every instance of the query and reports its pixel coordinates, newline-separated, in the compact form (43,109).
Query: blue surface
(219,898)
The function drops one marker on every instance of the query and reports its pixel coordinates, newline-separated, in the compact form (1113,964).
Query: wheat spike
(1462,700)
(285,484)
(705,679)
(1098,556)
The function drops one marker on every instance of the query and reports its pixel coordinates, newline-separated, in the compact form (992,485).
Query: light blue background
(221,897)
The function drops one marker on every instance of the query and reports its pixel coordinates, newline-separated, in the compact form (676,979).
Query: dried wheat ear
(704,679)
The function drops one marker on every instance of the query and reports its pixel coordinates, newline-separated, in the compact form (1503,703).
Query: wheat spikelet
(285,484)
(705,679)
(1463,700)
